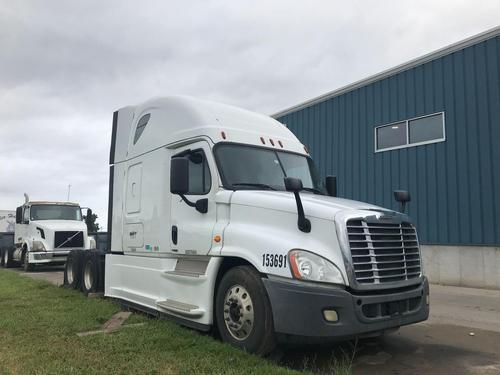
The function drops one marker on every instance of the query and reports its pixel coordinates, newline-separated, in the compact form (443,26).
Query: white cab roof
(176,120)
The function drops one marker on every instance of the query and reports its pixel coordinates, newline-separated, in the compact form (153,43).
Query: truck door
(133,233)
(191,231)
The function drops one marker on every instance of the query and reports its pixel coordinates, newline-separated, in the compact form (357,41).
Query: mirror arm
(201,205)
(187,201)
(302,222)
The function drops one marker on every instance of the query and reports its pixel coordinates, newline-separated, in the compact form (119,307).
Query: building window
(412,132)
(141,125)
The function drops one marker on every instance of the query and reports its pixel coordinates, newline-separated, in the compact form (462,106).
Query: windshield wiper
(253,184)
(313,190)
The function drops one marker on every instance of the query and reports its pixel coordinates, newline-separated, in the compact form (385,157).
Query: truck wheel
(72,269)
(1,258)
(243,312)
(26,262)
(8,259)
(90,274)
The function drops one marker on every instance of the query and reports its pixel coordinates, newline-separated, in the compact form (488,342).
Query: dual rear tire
(84,270)
(7,257)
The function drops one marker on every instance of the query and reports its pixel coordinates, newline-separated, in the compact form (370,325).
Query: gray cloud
(66,66)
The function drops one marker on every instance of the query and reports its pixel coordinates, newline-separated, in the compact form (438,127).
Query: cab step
(181,308)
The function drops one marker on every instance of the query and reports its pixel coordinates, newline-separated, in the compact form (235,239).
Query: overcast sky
(65,66)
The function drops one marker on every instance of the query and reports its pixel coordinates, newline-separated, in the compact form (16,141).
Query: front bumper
(43,257)
(298,309)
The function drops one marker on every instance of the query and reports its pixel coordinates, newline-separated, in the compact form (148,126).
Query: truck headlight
(37,246)
(311,267)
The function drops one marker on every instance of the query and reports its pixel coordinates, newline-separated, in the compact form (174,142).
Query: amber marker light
(295,265)
(217,238)
(272,142)
(223,135)
(280,143)
(262,140)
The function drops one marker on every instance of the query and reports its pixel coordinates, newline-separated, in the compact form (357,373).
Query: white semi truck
(45,232)
(218,219)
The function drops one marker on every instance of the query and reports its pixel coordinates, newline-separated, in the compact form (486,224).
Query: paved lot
(53,274)
(462,336)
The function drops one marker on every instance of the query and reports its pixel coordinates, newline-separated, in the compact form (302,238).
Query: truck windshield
(248,167)
(55,212)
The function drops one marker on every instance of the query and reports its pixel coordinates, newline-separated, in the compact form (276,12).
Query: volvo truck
(218,219)
(45,232)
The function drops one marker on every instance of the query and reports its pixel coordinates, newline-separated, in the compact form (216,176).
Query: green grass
(39,322)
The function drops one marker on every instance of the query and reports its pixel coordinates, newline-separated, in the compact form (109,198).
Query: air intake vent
(383,252)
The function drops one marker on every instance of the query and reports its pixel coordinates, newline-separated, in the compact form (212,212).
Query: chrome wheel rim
(87,276)
(69,272)
(238,312)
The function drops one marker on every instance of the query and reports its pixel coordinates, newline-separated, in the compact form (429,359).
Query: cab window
(26,215)
(200,179)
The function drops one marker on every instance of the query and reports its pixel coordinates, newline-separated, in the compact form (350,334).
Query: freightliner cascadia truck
(218,219)
(45,232)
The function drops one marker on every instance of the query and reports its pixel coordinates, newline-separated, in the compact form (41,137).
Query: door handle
(174,234)
(132,234)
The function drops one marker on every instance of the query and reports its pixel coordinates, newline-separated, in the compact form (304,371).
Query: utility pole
(69,191)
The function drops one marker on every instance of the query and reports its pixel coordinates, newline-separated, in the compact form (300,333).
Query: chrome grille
(383,252)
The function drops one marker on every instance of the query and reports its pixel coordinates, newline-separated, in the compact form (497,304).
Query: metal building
(430,126)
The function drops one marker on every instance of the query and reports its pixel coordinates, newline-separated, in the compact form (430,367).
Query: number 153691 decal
(274,260)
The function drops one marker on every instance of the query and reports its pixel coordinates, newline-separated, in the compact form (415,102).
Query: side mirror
(179,176)
(295,185)
(88,217)
(19,215)
(331,185)
(402,196)
(179,183)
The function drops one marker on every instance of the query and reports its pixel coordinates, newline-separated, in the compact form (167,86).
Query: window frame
(407,125)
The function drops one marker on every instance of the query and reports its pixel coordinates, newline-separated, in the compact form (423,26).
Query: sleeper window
(141,125)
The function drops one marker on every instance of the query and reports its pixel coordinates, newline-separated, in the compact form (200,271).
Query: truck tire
(1,257)
(73,269)
(8,258)
(243,312)
(26,264)
(91,275)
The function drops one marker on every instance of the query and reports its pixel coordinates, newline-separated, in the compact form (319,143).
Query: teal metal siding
(455,185)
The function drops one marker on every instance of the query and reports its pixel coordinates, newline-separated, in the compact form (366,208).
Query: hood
(60,225)
(319,206)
